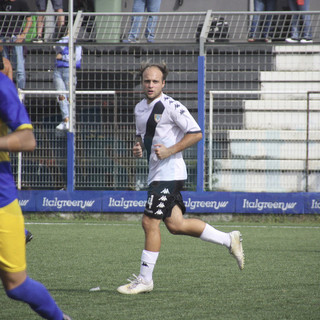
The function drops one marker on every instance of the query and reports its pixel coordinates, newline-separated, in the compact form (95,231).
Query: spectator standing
(12,31)
(61,77)
(142,6)
(300,23)
(17,284)
(165,127)
(42,7)
(261,24)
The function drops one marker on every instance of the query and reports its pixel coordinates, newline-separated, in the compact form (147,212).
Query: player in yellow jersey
(17,284)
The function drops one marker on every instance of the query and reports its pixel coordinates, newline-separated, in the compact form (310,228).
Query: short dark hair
(161,66)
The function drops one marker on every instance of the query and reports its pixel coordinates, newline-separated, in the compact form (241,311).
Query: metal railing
(182,27)
(104,125)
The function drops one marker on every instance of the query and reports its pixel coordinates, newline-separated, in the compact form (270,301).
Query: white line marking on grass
(139,225)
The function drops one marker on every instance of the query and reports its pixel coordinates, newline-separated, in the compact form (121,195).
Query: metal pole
(70,134)
(71,65)
(307,143)
(201,120)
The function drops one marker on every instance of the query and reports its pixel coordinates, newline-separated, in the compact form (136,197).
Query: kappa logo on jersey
(163,198)
(177,105)
(171,101)
(165,191)
(182,111)
(160,205)
(159,212)
(157,117)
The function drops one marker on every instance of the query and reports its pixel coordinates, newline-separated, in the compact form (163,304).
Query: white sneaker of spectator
(63,126)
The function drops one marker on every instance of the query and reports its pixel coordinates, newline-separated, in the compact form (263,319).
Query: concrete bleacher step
(295,84)
(297,58)
(281,114)
(248,175)
(273,144)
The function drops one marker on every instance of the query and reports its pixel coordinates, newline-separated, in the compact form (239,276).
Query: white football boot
(236,249)
(136,285)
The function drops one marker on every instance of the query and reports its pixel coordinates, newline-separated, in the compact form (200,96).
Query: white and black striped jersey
(164,121)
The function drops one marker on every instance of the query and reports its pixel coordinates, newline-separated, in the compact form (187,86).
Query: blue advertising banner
(312,202)
(27,200)
(276,203)
(62,201)
(209,202)
(195,202)
(124,201)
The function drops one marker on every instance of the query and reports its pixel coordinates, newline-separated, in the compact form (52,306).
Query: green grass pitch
(193,279)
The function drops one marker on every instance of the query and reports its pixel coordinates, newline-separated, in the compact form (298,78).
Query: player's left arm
(187,141)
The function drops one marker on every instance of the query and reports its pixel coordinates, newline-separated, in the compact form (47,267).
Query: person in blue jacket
(61,77)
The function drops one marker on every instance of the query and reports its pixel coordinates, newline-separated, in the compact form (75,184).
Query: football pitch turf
(193,279)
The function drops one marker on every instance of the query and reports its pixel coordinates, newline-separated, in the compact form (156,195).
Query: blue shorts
(162,197)
(12,238)
(42,4)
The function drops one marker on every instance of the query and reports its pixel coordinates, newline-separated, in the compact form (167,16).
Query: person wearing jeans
(14,30)
(258,31)
(300,33)
(61,77)
(142,6)
(16,56)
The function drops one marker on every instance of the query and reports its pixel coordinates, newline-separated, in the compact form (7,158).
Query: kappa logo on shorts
(160,205)
(159,212)
(165,191)
(163,198)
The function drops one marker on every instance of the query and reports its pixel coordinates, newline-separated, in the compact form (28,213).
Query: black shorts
(162,197)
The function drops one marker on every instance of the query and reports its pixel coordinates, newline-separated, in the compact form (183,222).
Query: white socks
(149,258)
(148,261)
(213,235)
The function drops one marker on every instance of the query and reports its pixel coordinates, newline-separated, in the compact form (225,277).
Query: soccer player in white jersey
(165,127)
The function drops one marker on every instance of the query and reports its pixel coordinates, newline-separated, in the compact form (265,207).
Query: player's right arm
(138,147)
(18,141)
(14,116)
(7,68)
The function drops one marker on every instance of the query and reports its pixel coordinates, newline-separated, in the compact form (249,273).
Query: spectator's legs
(61,83)
(19,65)
(138,6)
(60,19)
(267,28)
(306,26)
(295,19)
(16,57)
(152,6)
(40,24)
(58,7)
(254,32)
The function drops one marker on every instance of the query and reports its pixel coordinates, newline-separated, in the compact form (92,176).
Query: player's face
(152,83)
